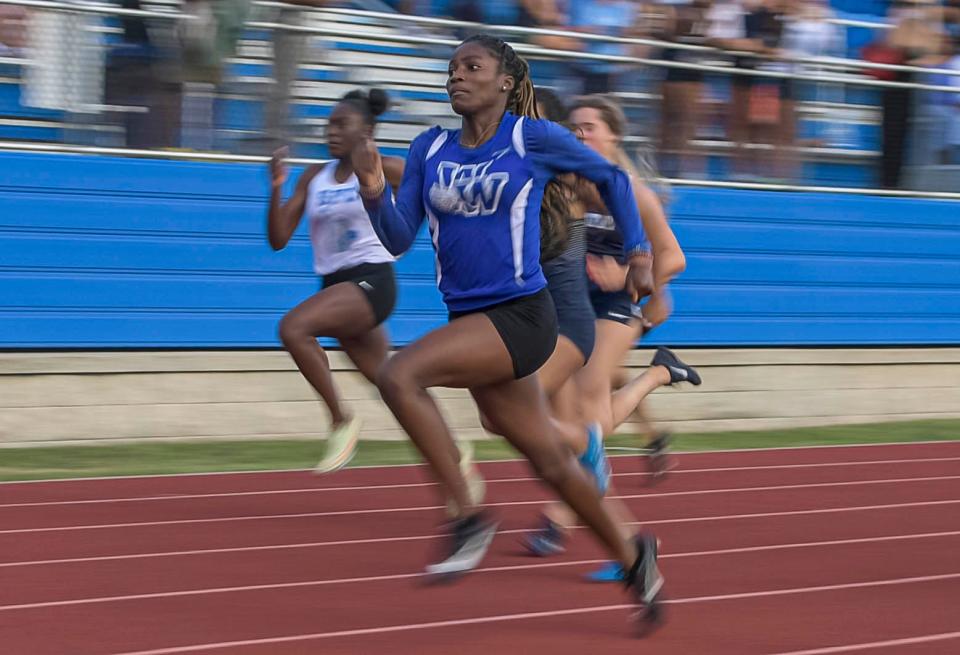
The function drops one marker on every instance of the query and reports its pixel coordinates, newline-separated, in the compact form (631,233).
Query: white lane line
(430,508)
(381,540)
(414,485)
(491,461)
(402,576)
(924,639)
(192,648)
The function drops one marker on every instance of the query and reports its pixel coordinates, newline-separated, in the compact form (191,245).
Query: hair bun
(378,101)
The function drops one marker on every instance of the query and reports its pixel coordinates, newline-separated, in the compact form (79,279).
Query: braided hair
(555,207)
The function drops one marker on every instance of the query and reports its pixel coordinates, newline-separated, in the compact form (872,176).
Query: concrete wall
(48,398)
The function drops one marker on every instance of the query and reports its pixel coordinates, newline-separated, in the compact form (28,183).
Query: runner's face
(345,129)
(475,81)
(589,125)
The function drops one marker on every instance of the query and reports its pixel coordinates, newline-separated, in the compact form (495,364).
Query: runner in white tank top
(340,229)
(359,290)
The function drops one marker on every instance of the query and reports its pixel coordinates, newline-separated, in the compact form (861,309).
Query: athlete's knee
(291,331)
(488,424)
(395,378)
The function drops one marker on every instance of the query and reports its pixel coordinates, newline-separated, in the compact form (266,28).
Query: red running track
(770,552)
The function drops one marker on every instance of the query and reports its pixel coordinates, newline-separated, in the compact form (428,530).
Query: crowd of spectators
(757,40)
(160,77)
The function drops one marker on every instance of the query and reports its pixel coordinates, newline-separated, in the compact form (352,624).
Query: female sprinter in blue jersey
(358,291)
(480,189)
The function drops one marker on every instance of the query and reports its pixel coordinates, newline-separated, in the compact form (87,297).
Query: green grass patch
(99,460)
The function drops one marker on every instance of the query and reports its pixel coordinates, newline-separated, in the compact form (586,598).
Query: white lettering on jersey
(599,221)
(468,189)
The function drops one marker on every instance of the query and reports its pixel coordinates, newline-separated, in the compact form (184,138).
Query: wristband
(374,192)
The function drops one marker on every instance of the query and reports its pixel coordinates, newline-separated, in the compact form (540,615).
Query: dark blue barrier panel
(101,252)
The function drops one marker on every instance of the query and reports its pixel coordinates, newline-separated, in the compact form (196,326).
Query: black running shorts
(528,328)
(377,283)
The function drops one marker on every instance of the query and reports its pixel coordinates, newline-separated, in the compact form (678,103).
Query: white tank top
(340,229)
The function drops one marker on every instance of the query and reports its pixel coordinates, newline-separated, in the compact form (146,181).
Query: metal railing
(26,146)
(850,64)
(98,8)
(853,64)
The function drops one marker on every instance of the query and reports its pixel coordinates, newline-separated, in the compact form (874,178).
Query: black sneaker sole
(649,615)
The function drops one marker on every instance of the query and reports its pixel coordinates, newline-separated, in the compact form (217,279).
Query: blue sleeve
(554,149)
(397,220)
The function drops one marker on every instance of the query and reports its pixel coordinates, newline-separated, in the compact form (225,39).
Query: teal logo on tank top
(337,196)
(346,240)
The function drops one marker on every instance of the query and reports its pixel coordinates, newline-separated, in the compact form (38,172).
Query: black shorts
(377,283)
(680,74)
(683,75)
(614,306)
(567,282)
(786,89)
(528,328)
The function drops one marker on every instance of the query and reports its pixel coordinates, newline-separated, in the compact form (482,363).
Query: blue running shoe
(594,459)
(609,572)
(548,540)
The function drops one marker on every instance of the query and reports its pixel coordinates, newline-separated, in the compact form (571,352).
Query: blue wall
(99,252)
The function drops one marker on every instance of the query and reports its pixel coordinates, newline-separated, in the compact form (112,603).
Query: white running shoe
(341,447)
(468,543)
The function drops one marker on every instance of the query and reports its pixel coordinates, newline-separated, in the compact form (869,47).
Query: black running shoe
(658,455)
(645,582)
(679,372)
(470,538)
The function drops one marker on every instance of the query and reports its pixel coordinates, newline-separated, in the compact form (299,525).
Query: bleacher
(843,129)
(97,251)
(110,252)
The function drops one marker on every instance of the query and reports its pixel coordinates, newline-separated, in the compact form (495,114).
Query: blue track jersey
(483,206)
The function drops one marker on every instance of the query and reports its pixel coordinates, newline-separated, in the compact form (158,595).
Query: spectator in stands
(915,37)
(951,18)
(953,103)
(771,98)
(610,18)
(468,11)
(207,41)
(288,51)
(808,34)
(13,29)
(682,88)
(755,106)
(725,29)
(941,111)
(66,55)
(548,15)
(130,81)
